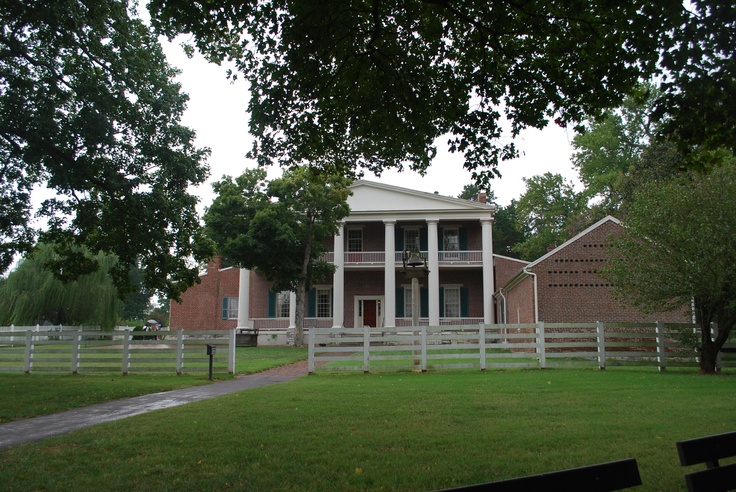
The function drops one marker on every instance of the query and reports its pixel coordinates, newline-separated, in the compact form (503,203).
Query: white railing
(482,346)
(116,351)
(378,257)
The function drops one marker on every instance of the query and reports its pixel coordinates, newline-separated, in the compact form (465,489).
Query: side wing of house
(210,305)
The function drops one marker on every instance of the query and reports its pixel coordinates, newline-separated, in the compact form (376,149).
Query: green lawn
(392,431)
(42,393)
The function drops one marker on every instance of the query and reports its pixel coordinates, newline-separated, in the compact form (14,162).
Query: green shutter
(312,303)
(463,239)
(442,302)
(400,302)
(424,303)
(332,303)
(423,239)
(224,308)
(399,238)
(271,304)
(464,302)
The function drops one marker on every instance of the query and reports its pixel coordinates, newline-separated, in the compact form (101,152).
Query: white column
(433,263)
(338,281)
(244,299)
(487,257)
(389,277)
(292,310)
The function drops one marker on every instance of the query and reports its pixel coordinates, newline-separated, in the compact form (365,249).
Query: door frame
(358,319)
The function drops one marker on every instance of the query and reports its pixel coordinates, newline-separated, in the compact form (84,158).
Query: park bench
(603,477)
(709,450)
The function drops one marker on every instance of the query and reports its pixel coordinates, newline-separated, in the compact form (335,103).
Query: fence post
(714,331)
(231,351)
(75,351)
(661,347)
(541,348)
(600,331)
(424,347)
(179,351)
(29,348)
(310,358)
(126,353)
(366,348)
(482,342)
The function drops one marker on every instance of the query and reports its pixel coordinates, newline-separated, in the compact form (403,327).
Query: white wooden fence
(539,345)
(91,350)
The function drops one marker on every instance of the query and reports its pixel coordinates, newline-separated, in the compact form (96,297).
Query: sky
(217,111)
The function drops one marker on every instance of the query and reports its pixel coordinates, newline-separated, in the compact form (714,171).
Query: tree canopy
(678,249)
(544,212)
(89,110)
(31,295)
(369,84)
(280,228)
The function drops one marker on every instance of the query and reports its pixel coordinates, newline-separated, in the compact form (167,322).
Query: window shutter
(224,308)
(312,303)
(464,302)
(442,302)
(271,304)
(424,303)
(399,238)
(400,302)
(423,239)
(463,239)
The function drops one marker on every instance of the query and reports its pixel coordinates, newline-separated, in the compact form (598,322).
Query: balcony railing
(377,257)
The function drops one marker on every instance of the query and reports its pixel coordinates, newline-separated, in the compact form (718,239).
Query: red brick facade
(569,287)
(201,306)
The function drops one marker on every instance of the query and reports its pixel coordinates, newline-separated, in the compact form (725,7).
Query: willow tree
(32,295)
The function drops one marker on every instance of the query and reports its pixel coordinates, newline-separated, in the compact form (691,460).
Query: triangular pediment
(371,197)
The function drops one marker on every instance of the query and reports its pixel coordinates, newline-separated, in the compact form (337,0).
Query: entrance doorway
(368,312)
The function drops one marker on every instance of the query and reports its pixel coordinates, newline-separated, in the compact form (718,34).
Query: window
(324,303)
(355,240)
(411,239)
(451,239)
(407,302)
(283,300)
(452,302)
(229,308)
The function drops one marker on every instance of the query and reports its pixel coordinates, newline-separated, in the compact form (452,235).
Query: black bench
(709,450)
(603,477)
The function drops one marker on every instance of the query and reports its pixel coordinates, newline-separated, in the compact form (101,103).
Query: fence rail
(85,350)
(538,345)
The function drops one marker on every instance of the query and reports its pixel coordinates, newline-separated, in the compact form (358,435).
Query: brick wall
(570,288)
(201,306)
(505,268)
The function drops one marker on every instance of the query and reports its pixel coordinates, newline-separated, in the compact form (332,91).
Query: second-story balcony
(445,258)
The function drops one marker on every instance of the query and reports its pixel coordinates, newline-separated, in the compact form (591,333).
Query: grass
(392,431)
(43,393)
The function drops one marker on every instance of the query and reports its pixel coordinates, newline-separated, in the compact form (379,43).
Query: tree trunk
(708,357)
(301,293)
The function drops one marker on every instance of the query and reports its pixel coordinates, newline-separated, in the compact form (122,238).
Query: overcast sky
(217,111)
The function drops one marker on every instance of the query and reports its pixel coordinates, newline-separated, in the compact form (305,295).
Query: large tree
(88,109)
(280,228)
(699,81)
(678,250)
(544,212)
(372,84)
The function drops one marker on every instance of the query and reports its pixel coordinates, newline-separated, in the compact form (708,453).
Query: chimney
(482,197)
